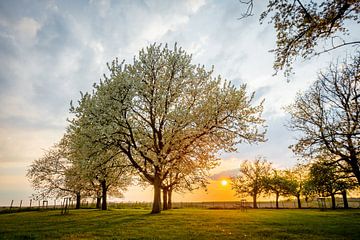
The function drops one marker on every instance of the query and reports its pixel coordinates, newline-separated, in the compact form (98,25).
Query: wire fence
(287,204)
(62,204)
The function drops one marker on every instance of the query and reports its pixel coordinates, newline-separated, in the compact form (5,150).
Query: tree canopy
(250,180)
(326,180)
(162,112)
(279,184)
(54,175)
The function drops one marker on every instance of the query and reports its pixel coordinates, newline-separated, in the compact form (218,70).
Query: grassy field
(182,224)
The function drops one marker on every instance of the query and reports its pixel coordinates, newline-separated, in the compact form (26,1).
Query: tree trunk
(156,208)
(333,202)
(254,201)
(165,201)
(78,199)
(104,193)
(277,200)
(344,195)
(169,198)
(98,202)
(354,163)
(298,201)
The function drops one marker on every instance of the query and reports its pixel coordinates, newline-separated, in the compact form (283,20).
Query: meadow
(182,224)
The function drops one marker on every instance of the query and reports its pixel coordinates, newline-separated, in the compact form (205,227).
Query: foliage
(53,175)
(250,181)
(326,180)
(298,176)
(328,117)
(278,184)
(106,169)
(303,26)
(162,112)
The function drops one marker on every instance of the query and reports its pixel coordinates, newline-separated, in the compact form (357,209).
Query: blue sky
(52,50)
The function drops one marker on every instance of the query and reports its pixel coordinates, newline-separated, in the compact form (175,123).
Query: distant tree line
(318,179)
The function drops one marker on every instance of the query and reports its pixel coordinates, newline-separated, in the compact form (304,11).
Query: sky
(52,50)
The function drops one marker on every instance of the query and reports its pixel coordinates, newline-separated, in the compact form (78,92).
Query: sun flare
(224,182)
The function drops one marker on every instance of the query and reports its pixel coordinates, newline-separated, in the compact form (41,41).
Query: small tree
(53,175)
(278,184)
(250,181)
(326,180)
(297,177)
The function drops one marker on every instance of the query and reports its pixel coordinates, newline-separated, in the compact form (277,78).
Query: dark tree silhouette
(308,28)
(250,180)
(327,116)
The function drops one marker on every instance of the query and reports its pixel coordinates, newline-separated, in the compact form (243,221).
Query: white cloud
(159,26)
(103,6)
(26,30)
(195,5)
(197,48)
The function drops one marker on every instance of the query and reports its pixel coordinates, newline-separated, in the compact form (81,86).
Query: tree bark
(104,193)
(165,201)
(156,208)
(344,195)
(333,202)
(254,201)
(298,201)
(98,202)
(78,199)
(169,198)
(277,200)
(354,163)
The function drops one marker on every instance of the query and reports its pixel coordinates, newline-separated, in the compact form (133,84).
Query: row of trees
(319,179)
(327,120)
(94,152)
(326,117)
(92,158)
(160,120)
(58,173)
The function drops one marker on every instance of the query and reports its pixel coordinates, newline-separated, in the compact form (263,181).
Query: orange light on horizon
(224,182)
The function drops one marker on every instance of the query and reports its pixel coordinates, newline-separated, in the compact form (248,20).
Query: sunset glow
(224,182)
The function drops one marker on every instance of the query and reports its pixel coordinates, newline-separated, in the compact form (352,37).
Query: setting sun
(224,182)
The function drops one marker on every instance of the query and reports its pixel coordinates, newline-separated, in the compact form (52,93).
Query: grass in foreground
(182,224)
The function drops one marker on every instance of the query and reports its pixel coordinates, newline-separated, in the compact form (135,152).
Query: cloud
(26,30)
(225,174)
(195,5)
(103,6)
(19,146)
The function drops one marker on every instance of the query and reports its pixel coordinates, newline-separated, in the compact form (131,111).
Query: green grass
(182,224)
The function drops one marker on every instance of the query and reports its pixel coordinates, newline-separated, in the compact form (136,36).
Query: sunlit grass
(182,224)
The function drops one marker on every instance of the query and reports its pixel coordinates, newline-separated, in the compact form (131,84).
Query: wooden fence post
(20,204)
(12,201)
(30,202)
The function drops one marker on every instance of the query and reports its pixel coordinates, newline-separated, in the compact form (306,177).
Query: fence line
(288,204)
